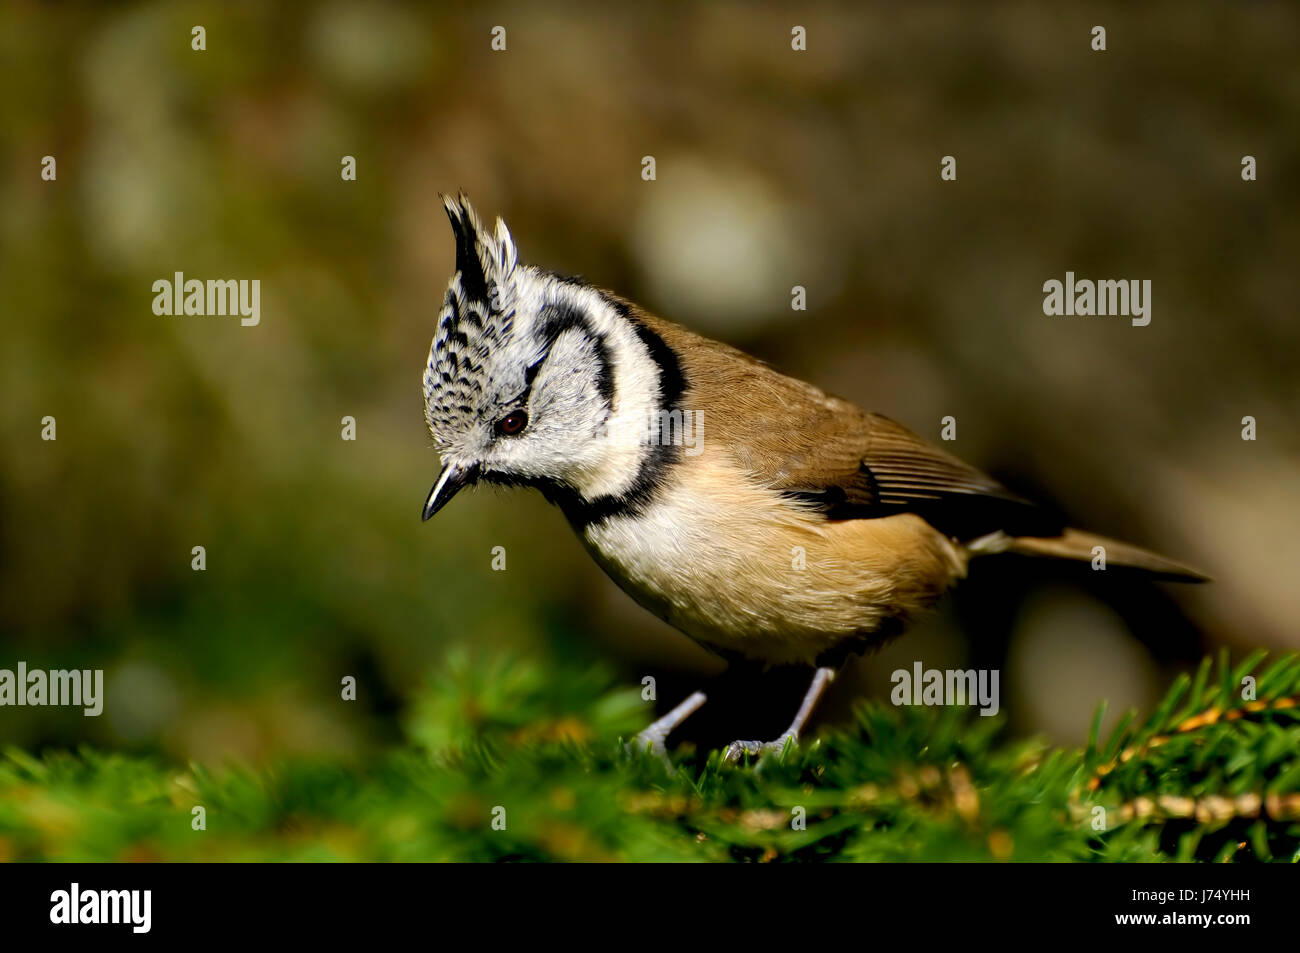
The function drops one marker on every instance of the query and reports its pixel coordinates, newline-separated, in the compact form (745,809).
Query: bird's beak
(450,482)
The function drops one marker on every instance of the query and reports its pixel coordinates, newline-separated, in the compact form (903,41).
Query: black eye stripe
(530,372)
(555,320)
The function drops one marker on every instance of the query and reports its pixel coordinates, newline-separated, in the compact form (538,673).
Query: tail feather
(1078,545)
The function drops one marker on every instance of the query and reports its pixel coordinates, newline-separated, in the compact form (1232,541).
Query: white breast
(734,566)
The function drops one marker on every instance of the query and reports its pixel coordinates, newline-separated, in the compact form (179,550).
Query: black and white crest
(539,380)
(477,318)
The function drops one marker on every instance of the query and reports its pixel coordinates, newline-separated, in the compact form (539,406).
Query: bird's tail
(1087,547)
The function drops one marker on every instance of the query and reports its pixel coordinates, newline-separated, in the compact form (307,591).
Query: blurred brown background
(775,168)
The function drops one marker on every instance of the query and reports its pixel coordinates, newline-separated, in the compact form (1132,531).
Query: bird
(767,520)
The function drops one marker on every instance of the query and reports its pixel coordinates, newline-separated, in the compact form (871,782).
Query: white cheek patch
(595,446)
(566,387)
(623,445)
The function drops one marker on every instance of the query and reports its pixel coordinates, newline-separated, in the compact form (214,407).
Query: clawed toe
(654,738)
(651,742)
(736,749)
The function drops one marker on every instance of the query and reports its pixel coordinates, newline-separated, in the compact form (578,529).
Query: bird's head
(530,374)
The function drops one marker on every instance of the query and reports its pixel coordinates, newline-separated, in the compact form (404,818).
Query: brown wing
(822,450)
(882,467)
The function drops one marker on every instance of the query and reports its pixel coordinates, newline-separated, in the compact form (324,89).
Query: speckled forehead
(477,321)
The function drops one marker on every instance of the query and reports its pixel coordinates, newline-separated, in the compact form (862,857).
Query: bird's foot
(736,749)
(652,738)
(650,741)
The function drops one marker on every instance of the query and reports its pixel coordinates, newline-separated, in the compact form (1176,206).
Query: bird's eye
(512,423)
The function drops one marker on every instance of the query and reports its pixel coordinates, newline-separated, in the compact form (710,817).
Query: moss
(507,760)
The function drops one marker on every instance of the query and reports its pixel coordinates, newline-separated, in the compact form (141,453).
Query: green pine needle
(511,760)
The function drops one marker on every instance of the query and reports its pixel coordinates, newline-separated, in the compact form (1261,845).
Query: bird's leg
(655,736)
(821,678)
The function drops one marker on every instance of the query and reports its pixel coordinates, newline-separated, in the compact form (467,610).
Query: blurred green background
(775,168)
